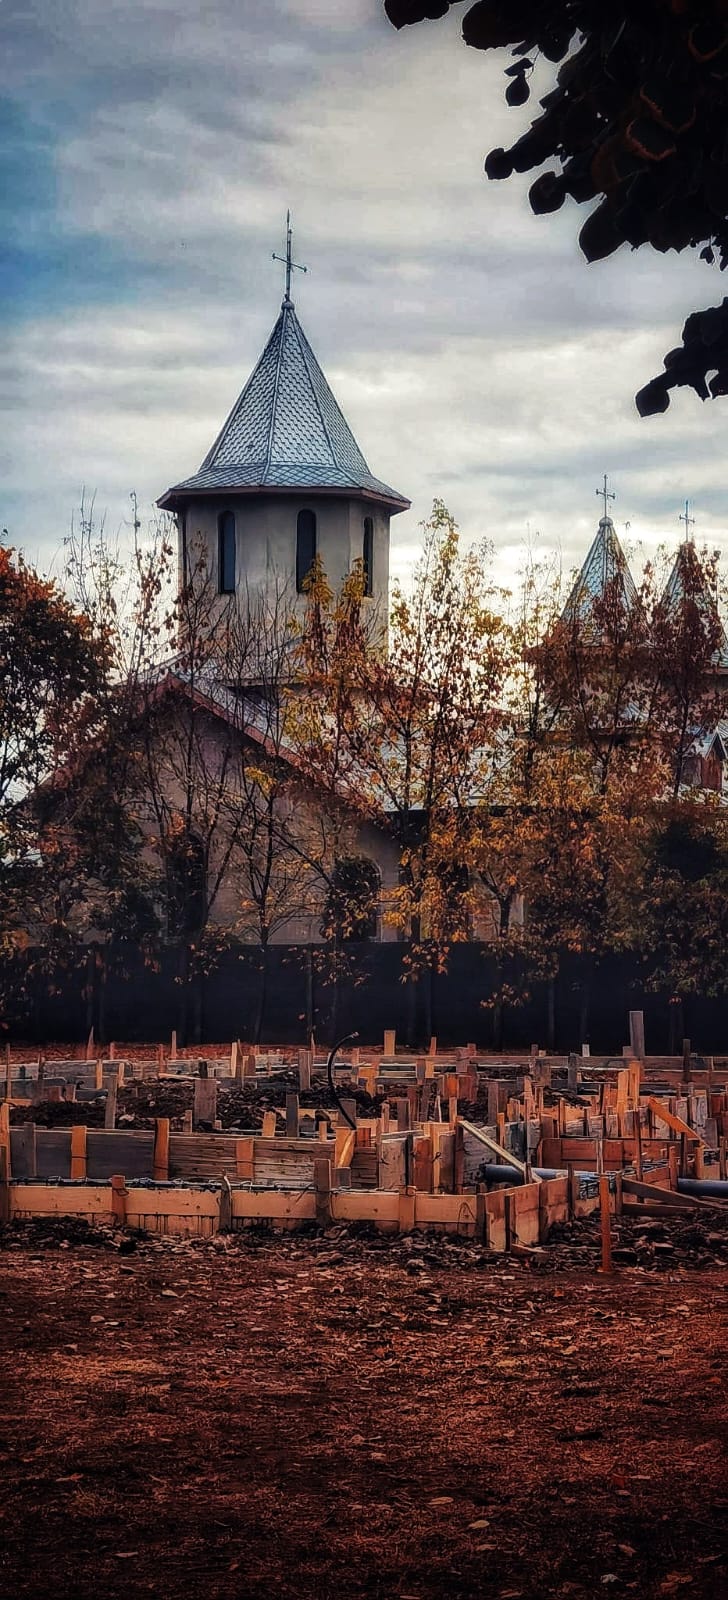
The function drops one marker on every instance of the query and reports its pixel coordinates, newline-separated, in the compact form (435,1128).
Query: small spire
(606,495)
(689,522)
(288,261)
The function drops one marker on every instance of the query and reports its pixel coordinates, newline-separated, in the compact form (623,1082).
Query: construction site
(460,1315)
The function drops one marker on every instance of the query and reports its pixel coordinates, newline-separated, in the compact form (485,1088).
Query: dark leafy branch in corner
(637,120)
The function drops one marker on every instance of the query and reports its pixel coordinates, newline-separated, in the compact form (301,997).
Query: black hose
(330,1075)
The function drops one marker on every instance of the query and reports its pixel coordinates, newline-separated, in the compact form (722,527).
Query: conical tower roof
(687,578)
(286,432)
(605,562)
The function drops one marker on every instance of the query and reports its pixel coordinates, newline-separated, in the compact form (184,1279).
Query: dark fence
(129,1000)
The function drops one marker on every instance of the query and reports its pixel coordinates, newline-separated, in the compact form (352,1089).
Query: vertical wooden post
(304,1069)
(173,1045)
(403,1115)
(637,1142)
(110,1108)
(407,1202)
(606,1227)
(572,1071)
(98,1076)
(698,1162)
(204,1108)
(249,1066)
(4,1185)
(637,1034)
(459,1158)
(90,1046)
(390,1039)
(78,1153)
(322,1191)
(234,1060)
(5,1138)
(160,1159)
(673,1164)
(118,1199)
(269,1125)
(291,1115)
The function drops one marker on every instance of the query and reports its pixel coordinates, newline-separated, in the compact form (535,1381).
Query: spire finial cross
(689,522)
(288,262)
(606,495)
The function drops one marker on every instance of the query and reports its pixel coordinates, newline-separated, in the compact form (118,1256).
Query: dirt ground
(321,1417)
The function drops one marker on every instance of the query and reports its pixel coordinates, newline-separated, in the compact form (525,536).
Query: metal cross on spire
(288,261)
(689,522)
(606,495)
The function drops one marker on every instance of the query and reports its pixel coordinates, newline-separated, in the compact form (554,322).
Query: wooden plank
(204,1108)
(245,1158)
(291,1115)
(78,1153)
(407,1208)
(322,1192)
(110,1107)
(50,1200)
(160,1157)
(456,1212)
(495,1148)
(345,1146)
(269,1124)
(5,1138)
(659,1109)
(605,1224)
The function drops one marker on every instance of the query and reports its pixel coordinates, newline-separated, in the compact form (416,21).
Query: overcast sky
(152,147)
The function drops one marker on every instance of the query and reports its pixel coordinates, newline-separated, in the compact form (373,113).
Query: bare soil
(335,1417)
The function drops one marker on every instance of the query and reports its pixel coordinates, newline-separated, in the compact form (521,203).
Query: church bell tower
(285,481)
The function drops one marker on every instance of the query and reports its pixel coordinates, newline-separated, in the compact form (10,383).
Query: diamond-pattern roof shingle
(683,580)
(285,431)
(605,561)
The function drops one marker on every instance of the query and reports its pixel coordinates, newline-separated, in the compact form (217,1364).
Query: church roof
(605,562)
(285,432)
(675,590)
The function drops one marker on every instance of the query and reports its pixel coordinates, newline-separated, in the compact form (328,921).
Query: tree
(635,119)
(403,738)
(51,672)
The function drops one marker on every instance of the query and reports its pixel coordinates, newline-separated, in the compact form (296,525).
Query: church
(285,482)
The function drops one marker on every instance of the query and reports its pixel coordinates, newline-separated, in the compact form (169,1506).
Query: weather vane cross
(688,520)
(288,262)
(606,495)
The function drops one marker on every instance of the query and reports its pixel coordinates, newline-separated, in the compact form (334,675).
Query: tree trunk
(310,997)
(262,991)
(551,1014)
(498,1024)
(584,999)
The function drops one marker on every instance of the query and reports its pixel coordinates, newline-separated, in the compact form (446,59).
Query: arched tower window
(352,910)
(305,547)
(368,556)
(226,552)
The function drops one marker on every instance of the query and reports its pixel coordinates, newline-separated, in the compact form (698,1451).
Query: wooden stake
(269,1124)
(90,1046)
(637,1034)
(291,1116)
(78,1153)
(322,1191)
(110,1108)
(390,1039)
(606,1227)
(160,1159)
(118,1199)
